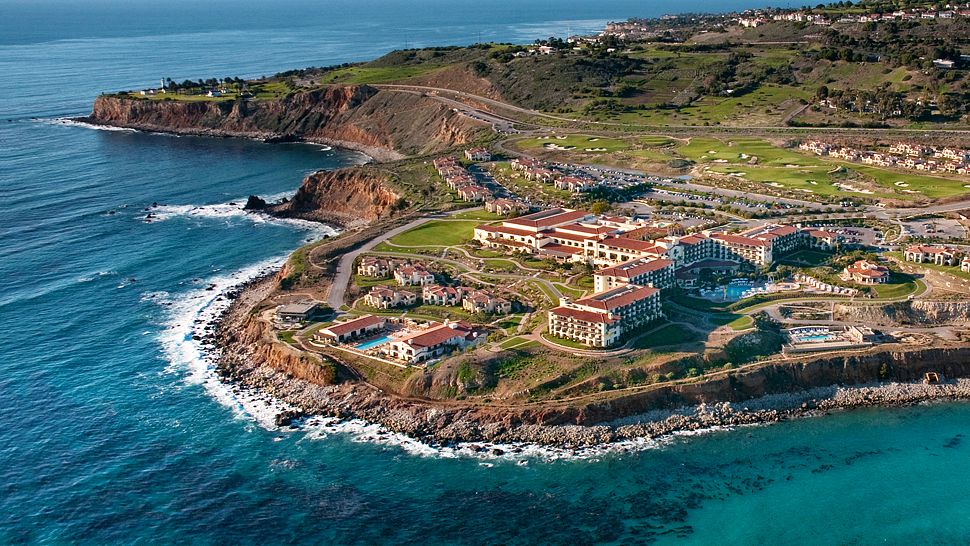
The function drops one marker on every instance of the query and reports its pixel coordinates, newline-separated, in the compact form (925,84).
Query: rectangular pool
(373,343)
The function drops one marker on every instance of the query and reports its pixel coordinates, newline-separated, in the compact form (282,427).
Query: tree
(599,207)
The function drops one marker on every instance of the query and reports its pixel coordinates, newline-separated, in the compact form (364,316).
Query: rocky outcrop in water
(344,196)
(385,124)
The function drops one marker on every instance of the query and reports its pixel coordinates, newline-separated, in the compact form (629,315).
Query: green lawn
(671,334)
(512,342)
(437,233)
(569,291)
(733,321)
(793,170)
(575,143)
(569,344)
(480,214)
(376,74)
(950,270)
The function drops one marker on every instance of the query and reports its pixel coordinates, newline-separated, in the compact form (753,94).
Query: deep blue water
(111,431)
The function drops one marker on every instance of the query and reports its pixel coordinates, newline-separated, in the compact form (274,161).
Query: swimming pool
(733,292)
(815,338)
(373,343)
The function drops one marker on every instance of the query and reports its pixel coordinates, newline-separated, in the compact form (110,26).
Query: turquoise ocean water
(113,431)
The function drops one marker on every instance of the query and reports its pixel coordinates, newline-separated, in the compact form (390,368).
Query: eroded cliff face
(920,312)
(386,124)
(344,196)
(258,345)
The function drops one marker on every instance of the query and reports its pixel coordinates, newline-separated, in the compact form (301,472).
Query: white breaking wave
(234,209)
(75,123)
(192,316)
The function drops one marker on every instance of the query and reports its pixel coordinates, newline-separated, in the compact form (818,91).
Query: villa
(480,301)
(602,319)
(433,341)
(930,254)
(413,275)
(478,154)
(381,297)
(371,266)
(865,272)
(434,294)
(474,194)
(341,332)
(506,207)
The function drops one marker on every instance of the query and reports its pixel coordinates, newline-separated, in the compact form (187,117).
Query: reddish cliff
(344,196)
(384,123)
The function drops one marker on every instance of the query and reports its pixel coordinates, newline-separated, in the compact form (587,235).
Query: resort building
(865,272)
(300,311)
(434,294)
(341,332)
(965,264)
(433,341)
(478,154)
(480,301)
(381,297)
(602,319)
(930,254)
(658,273)
(413,275)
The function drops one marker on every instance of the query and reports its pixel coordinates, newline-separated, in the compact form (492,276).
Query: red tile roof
(585,316)
(342,328)
(635,268)
(632,244)
(618,297)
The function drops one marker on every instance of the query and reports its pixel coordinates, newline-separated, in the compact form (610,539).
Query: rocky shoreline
(449,424)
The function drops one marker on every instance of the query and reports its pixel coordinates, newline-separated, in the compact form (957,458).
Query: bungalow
(381,297)
(434,294)
(478,154)
(480,301)
(930,254)
(865,272)
(341,332)
(434,341)
(300,311)
(413,275)
(965,264)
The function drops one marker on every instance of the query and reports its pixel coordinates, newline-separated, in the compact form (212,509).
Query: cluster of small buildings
(907,156)
(937,255)
(413,345)
(754,19)
(634,269)
(574,181)
(461,181)
(417,275)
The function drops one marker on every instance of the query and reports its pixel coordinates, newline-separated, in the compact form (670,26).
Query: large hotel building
(633,269)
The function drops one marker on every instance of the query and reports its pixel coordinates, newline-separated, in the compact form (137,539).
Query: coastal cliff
(344,196)
(383,123)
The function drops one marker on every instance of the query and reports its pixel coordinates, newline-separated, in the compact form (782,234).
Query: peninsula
(673,224)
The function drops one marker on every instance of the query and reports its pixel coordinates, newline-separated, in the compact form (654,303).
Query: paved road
(345,267)
(450,96)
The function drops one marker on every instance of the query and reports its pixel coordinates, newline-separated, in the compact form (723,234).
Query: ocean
(113,428)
